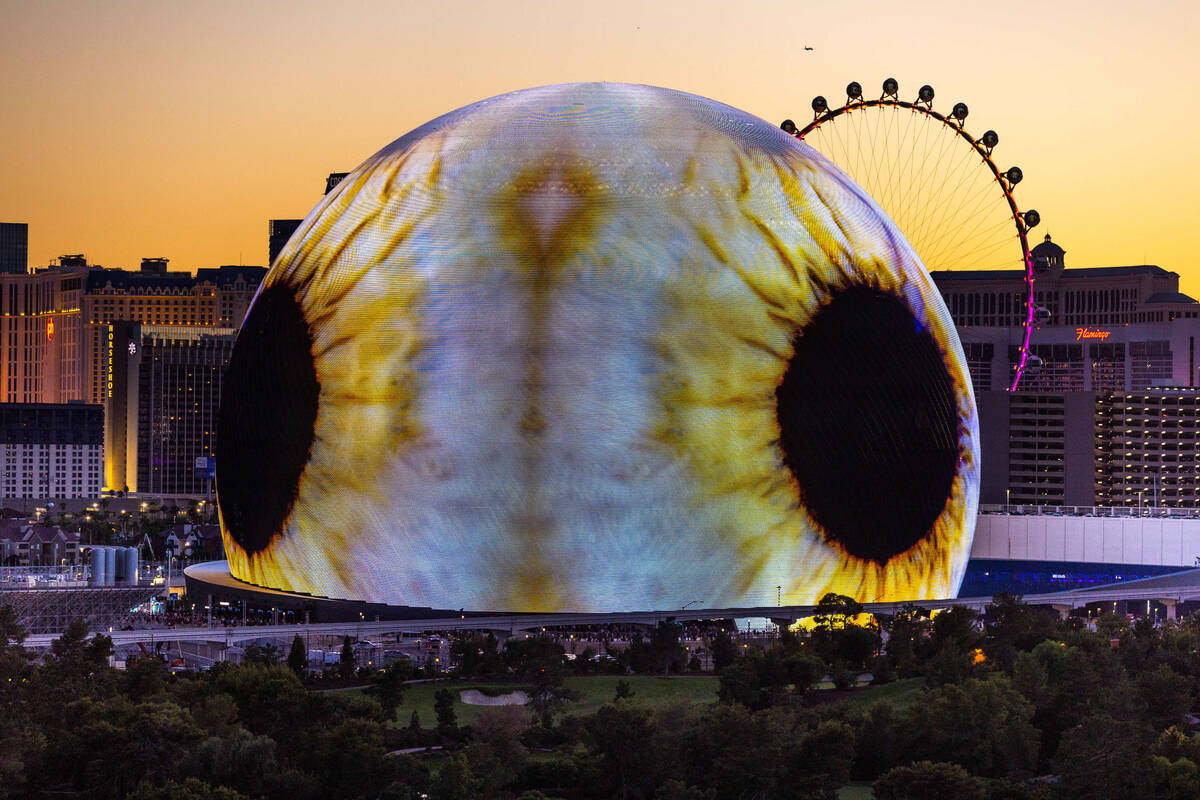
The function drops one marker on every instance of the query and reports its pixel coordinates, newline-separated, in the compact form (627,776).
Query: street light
(169,552)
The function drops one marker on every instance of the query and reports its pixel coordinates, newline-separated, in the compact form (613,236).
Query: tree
(19,737)
(675,789)
(477,656)
(877,741)
(269,700)
(454,781)
(666,651)
(908,632)
(928,780)
(241,761)
(736,752)
(758,680)
(387,686)
(297,659)
(443,706)
(1173,744)
(1105,758)
(75,657)
(14,659)
(1068,683)
(834,610)
(190,789)
(1013,626)
(837,638)
(1176,780)
(347,754)
(496,755)
(624,690)
(539,660)
(981,724)
(346,662)
(619,734)
(739,683)
(145,678)
(724,651)
(818,763)
(856,645)
(804,671)
(265,654)
(414,721)
(956,627)
(1166,696)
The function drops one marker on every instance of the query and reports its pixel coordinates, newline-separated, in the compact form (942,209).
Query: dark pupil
(870,423)
(267,419)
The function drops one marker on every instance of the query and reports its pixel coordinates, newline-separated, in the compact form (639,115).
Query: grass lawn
(901,694)
(594,691)
(856,791)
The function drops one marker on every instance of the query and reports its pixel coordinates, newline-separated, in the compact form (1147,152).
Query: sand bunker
(474,697)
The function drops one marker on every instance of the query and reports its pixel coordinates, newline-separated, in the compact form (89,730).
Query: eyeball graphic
(598,347)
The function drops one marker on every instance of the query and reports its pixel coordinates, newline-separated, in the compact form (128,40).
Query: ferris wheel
(937,182)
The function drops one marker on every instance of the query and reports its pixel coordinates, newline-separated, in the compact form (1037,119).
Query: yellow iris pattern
(548,330)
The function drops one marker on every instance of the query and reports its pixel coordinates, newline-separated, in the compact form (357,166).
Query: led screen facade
(598,347)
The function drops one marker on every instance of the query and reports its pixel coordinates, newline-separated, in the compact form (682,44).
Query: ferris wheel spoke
(959,230)
(930,207)
(936,183)
(962,201)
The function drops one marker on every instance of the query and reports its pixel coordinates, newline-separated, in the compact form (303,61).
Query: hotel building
(43,335)
(160,421)
(1117,347)
(51,450)
(216,297)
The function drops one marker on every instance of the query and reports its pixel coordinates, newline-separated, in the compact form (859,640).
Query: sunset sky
(169,129)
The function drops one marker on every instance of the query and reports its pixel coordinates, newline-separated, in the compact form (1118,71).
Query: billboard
(206,467)
(598,347)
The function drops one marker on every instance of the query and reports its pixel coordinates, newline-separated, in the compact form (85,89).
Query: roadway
(1168,589)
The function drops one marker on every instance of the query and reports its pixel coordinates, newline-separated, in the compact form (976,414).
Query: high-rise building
(278,233)
(42,337)
(1114,347)
(65,335)
(52,450)
(179,393)
(119,305)
(154,266)
(122,354)
(14,248)
(1147,448)
(161,419)
(216,297)
(1102,328)
(333,180)
(1037,448)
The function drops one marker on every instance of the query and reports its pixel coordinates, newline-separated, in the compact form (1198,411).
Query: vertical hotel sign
(108,349)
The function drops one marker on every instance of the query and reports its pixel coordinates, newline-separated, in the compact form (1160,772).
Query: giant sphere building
(597,347)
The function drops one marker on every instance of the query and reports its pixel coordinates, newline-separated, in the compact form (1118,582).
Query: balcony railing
(1090,511)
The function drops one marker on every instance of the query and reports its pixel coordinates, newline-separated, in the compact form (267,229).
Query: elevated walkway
(1168,589)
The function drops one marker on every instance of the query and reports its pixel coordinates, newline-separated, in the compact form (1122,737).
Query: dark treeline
(1023,705)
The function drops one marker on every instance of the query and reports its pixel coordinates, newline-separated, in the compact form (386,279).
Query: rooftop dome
(1047,249)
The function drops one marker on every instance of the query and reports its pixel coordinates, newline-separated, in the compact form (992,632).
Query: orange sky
(169,129)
